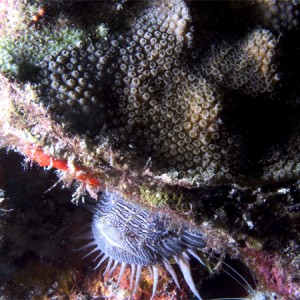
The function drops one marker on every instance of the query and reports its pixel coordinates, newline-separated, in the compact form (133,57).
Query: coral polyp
(130,234)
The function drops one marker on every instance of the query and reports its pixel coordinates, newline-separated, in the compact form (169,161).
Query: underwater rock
(189,107)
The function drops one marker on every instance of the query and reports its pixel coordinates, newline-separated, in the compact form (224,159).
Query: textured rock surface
(190,106)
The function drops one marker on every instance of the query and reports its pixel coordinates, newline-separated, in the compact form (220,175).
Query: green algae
(21,54)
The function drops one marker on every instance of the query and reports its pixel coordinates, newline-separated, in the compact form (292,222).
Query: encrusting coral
(175,102)
(144,92)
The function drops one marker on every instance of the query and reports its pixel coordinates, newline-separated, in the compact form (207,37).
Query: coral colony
(180,117)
